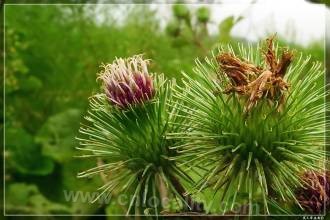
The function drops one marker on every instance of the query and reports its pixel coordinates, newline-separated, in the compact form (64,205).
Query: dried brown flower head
(256,82)
(314,197)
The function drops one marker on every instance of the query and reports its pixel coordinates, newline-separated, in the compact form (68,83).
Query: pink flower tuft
(127,81)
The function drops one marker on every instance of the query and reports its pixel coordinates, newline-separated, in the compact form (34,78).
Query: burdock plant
(314,197)
(126,128)
(254,121)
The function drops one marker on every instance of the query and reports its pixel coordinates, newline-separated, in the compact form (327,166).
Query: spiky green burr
(252,142)
(126,127)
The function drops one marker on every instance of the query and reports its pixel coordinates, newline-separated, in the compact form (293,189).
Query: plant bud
(173,29)
(203,14)
(127,81)
(181,11)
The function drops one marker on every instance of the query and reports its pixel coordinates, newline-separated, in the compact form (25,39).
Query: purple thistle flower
(127,81)
(315,196)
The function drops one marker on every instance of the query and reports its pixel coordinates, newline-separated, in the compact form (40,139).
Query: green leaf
(19,193)
(85,185)
(22,198)
(57,135)
(30,83)
(24,154)
(226,26)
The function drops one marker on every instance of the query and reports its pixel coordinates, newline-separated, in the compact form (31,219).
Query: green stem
(194,206)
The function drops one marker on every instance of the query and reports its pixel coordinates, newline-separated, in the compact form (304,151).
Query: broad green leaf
(24,155)
(22,198)
(57,135)
(31,83)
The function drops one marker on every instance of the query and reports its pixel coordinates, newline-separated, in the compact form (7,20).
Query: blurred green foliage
(326,2)
(52,56)
(226,26)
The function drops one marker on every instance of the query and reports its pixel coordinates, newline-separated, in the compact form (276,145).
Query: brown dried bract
(255,82)
(314,196)
(238,71)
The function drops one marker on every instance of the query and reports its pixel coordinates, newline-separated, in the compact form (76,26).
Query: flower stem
(194,206)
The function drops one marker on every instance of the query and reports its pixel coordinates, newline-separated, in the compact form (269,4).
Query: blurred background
(53,53)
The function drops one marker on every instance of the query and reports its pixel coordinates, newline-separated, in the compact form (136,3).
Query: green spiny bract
(127,129)
(252,150)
